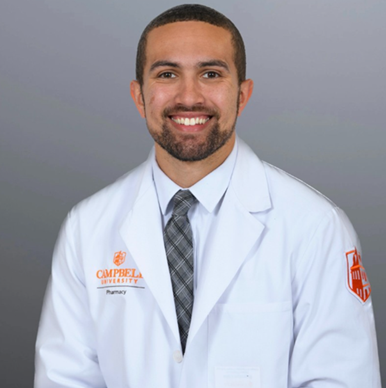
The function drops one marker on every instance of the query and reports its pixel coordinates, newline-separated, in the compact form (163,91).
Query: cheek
(227,105)
(224,97)
(151,106)
(156,101)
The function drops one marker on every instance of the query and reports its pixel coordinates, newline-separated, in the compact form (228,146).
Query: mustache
(169,111)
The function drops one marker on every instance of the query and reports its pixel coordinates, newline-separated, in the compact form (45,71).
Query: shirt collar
(208,191)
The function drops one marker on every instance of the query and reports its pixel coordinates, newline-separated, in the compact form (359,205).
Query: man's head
(199,13)
(189,87)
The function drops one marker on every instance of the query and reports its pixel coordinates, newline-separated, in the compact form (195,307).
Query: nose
(189,92)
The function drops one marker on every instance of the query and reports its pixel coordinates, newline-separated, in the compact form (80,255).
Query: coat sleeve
(66,355)
(334,333)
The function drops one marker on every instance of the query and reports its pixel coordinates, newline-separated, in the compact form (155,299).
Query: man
(204,267)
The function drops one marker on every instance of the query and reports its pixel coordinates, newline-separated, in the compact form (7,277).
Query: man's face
(190,95)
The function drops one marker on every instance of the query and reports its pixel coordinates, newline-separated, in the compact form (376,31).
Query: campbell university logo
(356,276)
(125,277)
(119,258)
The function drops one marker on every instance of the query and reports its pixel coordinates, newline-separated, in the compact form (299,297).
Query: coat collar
(208,191)
(249,181)
(234,234)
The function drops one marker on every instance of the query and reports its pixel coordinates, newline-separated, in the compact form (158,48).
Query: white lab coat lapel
(142,233)
(235,231)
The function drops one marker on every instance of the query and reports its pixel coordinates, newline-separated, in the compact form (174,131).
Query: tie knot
(183,200)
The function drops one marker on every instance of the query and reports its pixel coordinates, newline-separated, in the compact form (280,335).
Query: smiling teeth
(191,121)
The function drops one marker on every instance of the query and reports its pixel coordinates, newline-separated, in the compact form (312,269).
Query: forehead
(189,41)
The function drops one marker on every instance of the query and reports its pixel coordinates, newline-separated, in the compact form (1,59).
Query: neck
(186,174)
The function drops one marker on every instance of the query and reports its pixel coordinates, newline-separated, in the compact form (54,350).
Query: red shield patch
(119,257)
(356,276)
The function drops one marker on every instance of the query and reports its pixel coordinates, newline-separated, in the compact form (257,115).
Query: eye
(167,74)
(211,74)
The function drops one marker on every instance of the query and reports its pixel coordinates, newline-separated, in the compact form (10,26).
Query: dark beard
(187,149)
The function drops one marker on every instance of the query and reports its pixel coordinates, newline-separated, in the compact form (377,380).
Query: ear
(136,94)
(246,89)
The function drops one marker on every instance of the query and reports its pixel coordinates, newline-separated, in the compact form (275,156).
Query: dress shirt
(209,192)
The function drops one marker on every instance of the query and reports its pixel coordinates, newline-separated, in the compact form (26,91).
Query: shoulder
(304,207)
(112,202)
(290,202)
(285,192)
(289,191)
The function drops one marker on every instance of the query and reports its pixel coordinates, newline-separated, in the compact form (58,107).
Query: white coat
(274,307)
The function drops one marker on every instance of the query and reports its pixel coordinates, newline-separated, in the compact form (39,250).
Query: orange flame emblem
(119,258)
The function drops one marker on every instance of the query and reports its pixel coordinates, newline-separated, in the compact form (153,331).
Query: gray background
(69,127)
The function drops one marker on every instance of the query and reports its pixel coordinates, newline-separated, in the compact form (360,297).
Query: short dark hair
(193,12)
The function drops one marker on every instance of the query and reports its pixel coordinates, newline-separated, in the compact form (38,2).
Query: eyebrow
(215,62)
(163,64)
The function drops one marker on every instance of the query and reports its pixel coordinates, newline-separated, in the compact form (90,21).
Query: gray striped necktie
(178,239)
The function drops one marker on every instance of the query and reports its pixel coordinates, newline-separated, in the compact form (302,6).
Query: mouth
(190,122)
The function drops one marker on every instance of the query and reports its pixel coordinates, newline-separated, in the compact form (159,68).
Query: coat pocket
(253,335)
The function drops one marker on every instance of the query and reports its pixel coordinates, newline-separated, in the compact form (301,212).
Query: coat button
(177,355)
